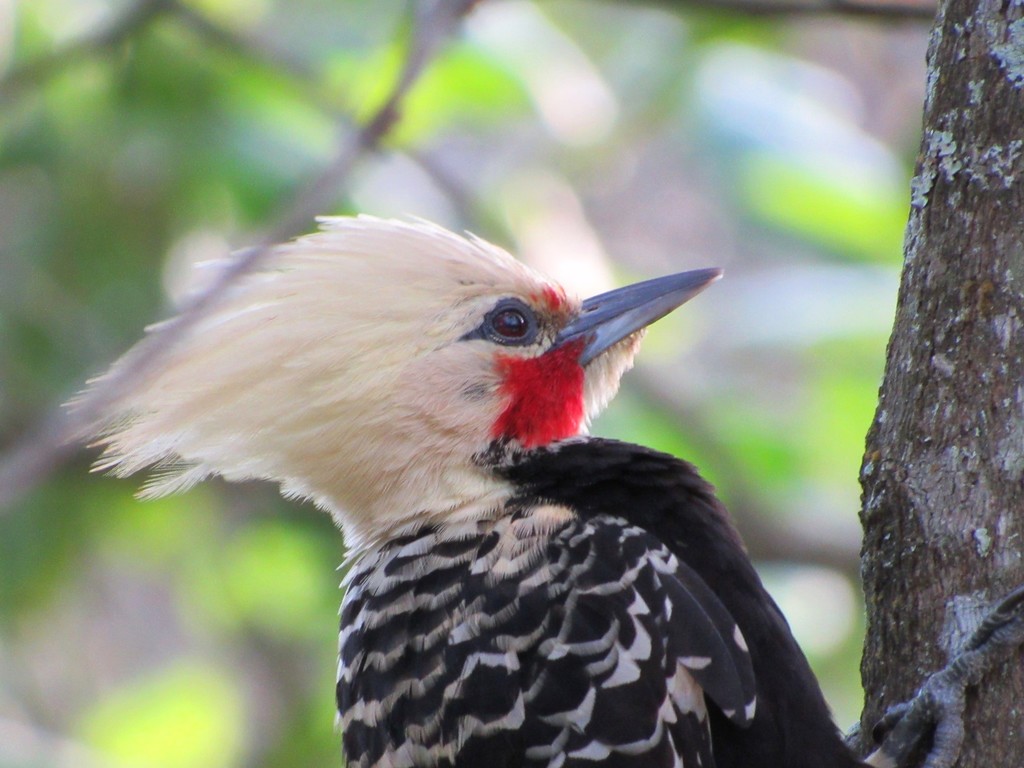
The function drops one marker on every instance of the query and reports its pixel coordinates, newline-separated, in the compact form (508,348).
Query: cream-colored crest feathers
(336,370)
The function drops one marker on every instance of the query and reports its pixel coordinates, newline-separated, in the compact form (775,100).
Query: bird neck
(422,497)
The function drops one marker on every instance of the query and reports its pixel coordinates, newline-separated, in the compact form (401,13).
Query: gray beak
(610,317)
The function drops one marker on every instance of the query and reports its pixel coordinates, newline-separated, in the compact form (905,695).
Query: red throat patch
(544,396)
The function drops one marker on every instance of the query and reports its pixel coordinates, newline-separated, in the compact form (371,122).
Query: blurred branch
(42,451)
(910,10)
(137,16)
(36,71)
(434,22)
(134,20)
(234,42)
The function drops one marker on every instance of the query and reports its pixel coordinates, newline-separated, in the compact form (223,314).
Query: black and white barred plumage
(576,627)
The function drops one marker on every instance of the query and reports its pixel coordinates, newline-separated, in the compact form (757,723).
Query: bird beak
(607,319)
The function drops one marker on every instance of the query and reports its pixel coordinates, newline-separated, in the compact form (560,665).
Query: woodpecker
(518,593)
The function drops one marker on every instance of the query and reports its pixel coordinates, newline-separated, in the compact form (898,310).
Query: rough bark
(943,474)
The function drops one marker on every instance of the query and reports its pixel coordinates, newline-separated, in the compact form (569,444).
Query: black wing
(634,642)
(792,727)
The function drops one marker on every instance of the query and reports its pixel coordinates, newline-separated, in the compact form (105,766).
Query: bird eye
(511,322)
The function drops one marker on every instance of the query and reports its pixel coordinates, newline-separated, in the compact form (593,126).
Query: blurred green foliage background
(601,141)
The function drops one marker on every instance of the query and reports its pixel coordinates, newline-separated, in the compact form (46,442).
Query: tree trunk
(943,474)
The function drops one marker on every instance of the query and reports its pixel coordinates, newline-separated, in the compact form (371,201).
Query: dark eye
(511,323)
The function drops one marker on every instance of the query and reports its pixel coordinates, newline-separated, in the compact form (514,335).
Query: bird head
(379,368)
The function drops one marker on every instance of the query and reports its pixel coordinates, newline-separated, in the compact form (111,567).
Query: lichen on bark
(943,474)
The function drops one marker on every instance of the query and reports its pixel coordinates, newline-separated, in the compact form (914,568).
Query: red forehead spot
(553,298)
(544,396)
